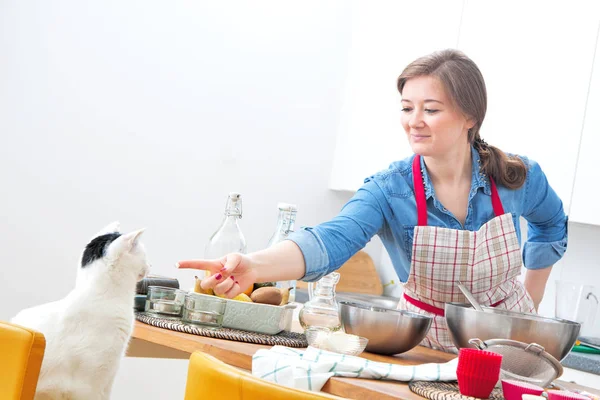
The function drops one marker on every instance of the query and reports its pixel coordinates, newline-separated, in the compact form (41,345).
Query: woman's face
(433,124)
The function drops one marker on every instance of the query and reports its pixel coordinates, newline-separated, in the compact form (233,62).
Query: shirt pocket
(409,234)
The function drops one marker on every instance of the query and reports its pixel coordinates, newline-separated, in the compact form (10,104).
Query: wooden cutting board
(357,275)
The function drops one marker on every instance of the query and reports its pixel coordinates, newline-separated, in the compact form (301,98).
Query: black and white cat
(87,332)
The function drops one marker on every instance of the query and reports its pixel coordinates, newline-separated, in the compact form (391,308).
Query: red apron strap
(422,201)
(496,203)
(433,309)
(424,306)
(419,191)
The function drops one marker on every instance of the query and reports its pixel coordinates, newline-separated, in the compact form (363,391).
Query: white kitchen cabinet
(386,37)
(536,58)
(585,192)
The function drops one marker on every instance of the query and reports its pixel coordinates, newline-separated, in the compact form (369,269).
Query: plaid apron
(487,261)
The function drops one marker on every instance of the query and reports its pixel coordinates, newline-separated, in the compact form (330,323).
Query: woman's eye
(406,109)
(430,111)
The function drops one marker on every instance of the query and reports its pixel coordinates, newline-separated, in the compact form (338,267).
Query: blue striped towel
(310,369)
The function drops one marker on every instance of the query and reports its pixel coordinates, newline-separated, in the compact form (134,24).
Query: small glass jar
(167,302)
(321,311)
(204,310)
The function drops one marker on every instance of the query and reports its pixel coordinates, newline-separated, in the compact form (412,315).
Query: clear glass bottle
(285,225)
(321,311)
(229,237)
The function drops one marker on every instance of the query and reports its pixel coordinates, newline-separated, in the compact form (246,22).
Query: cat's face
(135,258)
(121,253)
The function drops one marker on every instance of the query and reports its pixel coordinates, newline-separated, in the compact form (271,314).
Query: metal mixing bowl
(556,335)
(388,331)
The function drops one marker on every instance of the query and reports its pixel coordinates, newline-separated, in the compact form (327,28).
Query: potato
(267,295)
(263,284)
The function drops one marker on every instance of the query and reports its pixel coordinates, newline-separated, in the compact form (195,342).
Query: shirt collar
(478,177)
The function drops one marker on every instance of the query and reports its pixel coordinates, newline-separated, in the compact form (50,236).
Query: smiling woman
(453,100)
(433,125)
(445,214)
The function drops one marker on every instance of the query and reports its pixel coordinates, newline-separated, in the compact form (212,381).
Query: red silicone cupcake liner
(480,363)
(475,386)
(565,395)
(514,390)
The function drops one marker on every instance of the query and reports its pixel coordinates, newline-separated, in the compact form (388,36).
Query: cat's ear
(110,228)
(132,238)
(124,243)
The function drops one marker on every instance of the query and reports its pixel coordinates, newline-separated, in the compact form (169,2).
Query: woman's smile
(419,137)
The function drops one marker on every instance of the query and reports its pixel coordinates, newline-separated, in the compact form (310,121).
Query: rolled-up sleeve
(546,221)
(327,246)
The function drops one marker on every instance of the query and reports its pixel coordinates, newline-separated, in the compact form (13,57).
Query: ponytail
(509,171)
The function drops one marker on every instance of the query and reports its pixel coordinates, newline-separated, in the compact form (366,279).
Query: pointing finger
(208,265)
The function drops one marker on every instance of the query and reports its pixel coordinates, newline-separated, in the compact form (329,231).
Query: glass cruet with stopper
(229,237)
(321,311)
(285,225)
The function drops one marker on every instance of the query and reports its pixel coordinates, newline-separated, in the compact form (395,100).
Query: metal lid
(287,207)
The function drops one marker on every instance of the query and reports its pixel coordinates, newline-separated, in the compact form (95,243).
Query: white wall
(150,112)
(386,36)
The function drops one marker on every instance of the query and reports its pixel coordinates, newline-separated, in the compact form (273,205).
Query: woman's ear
(470,122)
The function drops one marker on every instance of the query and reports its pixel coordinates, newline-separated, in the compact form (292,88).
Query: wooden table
(150,341)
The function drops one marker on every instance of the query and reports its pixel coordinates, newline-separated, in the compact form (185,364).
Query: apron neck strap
(419,191)
(496,203)
(419,188)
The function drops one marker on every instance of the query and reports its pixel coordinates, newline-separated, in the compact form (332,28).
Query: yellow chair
(210,378)
(21,355)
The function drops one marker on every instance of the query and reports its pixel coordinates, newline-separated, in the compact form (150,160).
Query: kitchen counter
(586,362)
(583,362)
(579,361)
(156,340)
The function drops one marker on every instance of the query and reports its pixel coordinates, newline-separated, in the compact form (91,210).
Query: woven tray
(445,391)
(289,339)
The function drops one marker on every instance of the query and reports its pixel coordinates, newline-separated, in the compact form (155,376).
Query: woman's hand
(235,272)
(535,284)
(231,275)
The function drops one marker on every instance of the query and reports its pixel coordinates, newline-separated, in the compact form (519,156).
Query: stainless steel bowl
(388,331)
(557,336)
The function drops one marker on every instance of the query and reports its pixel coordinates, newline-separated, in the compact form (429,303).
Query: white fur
(87,332)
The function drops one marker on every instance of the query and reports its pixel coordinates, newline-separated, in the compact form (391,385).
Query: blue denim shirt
(385,205)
